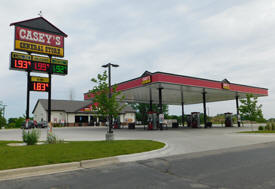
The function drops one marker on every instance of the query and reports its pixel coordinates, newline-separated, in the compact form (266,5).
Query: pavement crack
(164,166)
(159,164)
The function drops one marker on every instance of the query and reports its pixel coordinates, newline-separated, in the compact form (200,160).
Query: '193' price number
(22,64)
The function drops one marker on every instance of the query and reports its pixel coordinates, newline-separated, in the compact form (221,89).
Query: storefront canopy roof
(175,87)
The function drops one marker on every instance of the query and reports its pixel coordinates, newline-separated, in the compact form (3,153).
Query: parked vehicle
(31,124)
(42,124)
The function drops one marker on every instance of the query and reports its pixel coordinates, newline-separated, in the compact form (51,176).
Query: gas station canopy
(176,88)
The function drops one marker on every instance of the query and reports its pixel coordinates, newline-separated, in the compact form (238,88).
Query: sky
(213,39)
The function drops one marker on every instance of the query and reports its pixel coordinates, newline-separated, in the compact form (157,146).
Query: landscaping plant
(52,139)
(31,137)
(260,128)
(267,127)
(272,126)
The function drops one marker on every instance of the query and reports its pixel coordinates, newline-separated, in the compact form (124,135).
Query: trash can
(208,124)
(131,125)
(228,119)
(175,125)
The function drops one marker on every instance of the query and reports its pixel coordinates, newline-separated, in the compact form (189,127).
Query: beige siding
(128,117)
(40,114)
(58,117)
(71,118)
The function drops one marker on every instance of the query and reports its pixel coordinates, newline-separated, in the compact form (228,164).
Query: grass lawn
(26,156)
(257,132)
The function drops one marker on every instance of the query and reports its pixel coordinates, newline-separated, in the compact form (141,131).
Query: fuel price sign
(42,64)
(40,84)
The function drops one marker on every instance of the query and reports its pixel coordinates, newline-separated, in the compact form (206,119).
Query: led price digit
(22,64)
(59,69)
(41,66)
(40,86)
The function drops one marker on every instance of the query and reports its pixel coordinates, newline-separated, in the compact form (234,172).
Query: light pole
(109,65)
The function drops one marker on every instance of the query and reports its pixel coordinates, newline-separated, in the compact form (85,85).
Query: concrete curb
(143,155)
(63,167)
(39,170)
(98,162)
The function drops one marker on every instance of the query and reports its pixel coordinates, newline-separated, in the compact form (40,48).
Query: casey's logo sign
(146,80)
(39,42)
(25,34)
(226,86)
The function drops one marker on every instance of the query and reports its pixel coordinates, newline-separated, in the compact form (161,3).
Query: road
(249,167)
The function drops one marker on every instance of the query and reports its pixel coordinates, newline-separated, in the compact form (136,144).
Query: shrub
(11,125)
(268,126)
(31,137)
(260,128)
(52,139)
(273,126)
(57,125)
(16,122)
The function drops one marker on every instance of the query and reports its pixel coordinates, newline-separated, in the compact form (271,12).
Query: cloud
(254,18)
(209,39)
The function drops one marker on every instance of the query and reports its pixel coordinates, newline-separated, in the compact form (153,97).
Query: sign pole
(28,100)
(28,97)
(49,98)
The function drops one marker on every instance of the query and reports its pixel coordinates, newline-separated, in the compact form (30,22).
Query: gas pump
(152,120)
(117,123)
(189,120)
(195,119)
(228,119)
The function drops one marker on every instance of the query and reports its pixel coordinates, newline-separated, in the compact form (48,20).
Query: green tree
(16,122)
(3,121)
(143,109)
(100,94)
(249,110)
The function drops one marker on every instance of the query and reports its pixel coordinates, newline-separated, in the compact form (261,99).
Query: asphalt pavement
(180,141)
(249,167)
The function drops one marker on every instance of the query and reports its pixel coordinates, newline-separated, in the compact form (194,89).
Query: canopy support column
(160,106)
(151,101)
(204,109)
(182,107)
(238,112)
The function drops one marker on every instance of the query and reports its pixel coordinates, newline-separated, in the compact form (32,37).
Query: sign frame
(46,63)
(17,43)
(39,84)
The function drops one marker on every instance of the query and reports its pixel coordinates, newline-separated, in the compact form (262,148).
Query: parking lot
(180,140)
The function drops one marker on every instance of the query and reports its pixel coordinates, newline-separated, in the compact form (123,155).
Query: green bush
(268,127)
(260,128)
(52,139)
(15,122)
(272,126)
(11,125)
(57,125)
(31,137)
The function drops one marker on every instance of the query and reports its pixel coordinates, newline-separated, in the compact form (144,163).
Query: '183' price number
(40,86)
